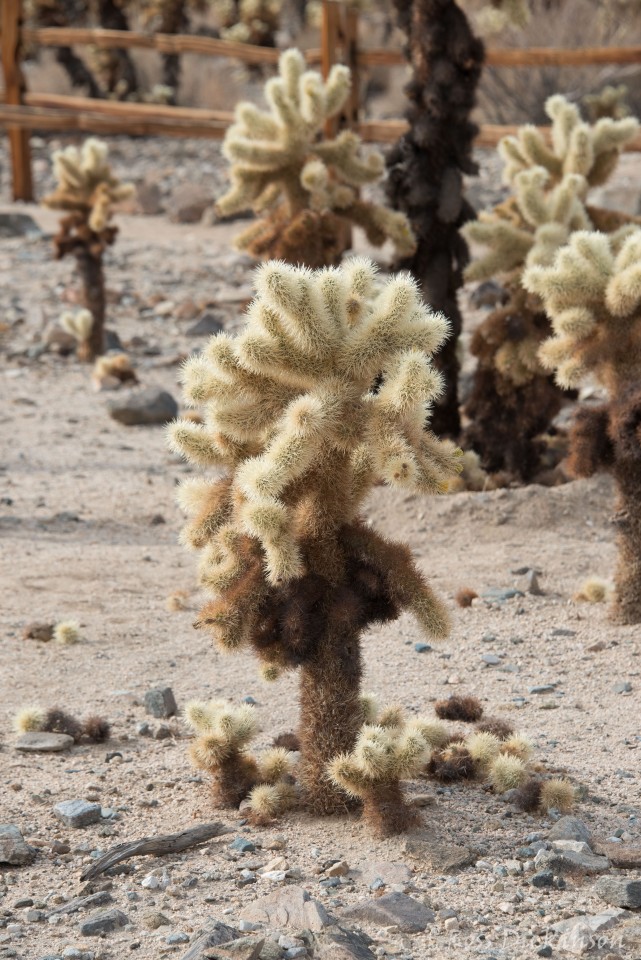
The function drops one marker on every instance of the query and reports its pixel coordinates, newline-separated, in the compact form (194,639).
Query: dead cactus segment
(306,188)
(32,719)
(467,709)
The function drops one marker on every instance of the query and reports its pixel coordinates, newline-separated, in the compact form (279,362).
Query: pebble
(544,878)
(145,406)
(103,922)
(178,937)
(243,845)
(38,631)
(207,324)
(422,647)
(340,869)
(543,688)
(392,909)
(544,951)
(161,703)
(38,742)
(569,861)
(77,813)
(619,891)
(625,687)
(570,828)
(153,920)
(490,659)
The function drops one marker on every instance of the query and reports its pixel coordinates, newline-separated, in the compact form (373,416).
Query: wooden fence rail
(22,111)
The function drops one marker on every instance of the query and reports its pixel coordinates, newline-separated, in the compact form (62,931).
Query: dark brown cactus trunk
(427,165)
(627,581)
(93,286)
(386,811)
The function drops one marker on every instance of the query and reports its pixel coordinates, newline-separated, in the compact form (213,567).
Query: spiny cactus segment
(306,186)
(33,718)
(86,192)
(592,293)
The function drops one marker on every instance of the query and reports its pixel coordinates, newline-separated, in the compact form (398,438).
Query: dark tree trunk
(427,165)
(93,285)
(174,21)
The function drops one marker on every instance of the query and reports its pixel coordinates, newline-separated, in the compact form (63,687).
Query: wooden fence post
(330,40)
(14,87)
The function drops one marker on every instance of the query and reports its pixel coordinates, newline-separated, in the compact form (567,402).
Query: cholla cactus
(592,293)
(220,748)
(577,147)
(33,719)
(87,191)
(385,753)
(427,165)
(291,417)
(608,102)
(249,21)
(550,202)
(306,186)
(64,13)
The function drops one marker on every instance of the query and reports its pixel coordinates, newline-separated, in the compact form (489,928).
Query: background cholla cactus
(249,21)
(306,186)
(387,750)
(33,719)
(86,192)
(291,417)
(64,13)
(592,293)
(608,102)
(577,147)
(549,203)
(427,165)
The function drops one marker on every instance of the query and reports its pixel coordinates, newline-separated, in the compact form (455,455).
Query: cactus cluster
(549,203)
(305,186)
(34,719)
(592,293)
(86,192)
(324,393)
(249,21)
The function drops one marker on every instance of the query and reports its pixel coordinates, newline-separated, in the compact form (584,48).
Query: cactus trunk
(330,716)
(627,602)
(93,283)
(386,811)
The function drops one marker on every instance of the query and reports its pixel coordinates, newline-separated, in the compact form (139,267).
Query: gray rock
(570,828)
(490,659)
(569,861)
(437,856)
(178,937)
(243,845)
(213,935)
(597,922)
(105,921)
(149,198)
(288,907)
(18,225)
(245,948)
(13,847)
(160,702)
(577,940)
(624,687)
(543,688)
(501,594)
(147,406)
(188,202)
(207,324)
(38,742)
(488,294)
(77,813)
(387,871)
(532,585)
(619,891)
(392,909)
(544,878)
(98,899)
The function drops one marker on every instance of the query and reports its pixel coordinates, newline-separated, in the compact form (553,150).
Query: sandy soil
(88,530)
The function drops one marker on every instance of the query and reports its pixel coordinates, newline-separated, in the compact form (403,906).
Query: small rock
(577,940)
(215,934)
(340,869)
(543,688)
(388,872)
(18,225)
(570,828)
(490,659)
(147,406)
(207,324)
(242,845)
(451,924)
(245,948)
(488,294)
(597,647)
(178,937)
(393,909)
(77,813)
(619,891)
(576,846)
(625,856)
(544,951)
(105,921)
(339,943)
(544,878)
(161,703)
(596,922)
(568,861)
(149,198)
(437,856)
(188,202)
(625,687)
(38,631)
(501,594)
(13,847)
(38,742)
(532,585)
(422,647)
(289,906)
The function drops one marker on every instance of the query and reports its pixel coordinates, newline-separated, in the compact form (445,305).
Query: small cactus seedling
(33,719)
(427,165)
(293,416)
(385,752)
(306,186)
(592,293)
(514,399)
(86,192)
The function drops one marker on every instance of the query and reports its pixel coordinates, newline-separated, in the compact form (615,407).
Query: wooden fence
(23,111)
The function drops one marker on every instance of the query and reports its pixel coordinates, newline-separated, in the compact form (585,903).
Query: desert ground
(88,531)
